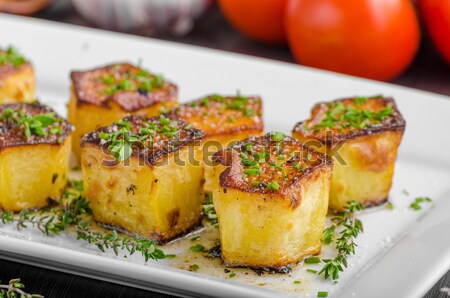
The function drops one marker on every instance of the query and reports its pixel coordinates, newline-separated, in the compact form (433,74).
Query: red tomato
(375,39)
(437,19)
(262,20)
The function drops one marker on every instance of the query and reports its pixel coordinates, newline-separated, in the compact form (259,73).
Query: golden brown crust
(215,114)
(157,136)
(130,87)
(273,163)
(13,127)
(387,118)
(6,70)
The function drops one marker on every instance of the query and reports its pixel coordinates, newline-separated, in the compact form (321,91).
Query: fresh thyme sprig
(15,289)
(47,224)
(147,248)
(72,213)
(345,245)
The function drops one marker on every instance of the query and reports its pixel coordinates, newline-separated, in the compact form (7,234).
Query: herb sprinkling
(416,205)
(141,81)
(337,114)
(38,125)
(209,211)
(15,289)
(73,213)
(345,245)
(11,56)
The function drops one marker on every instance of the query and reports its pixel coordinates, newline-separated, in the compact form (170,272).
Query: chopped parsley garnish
(249,112)
(322,294)
(359,100)
(277,136)
(253,172)
(198,248)
(337,114)
(273,185)
(209,211)
(274,163)
(232,275)
(389,206)
(416,205)
(194,267)
(297,282)
(142,82)
(11,56)
(125,84)
(312,260)
(122,140)
(236,103)
(39,125)
(311,271)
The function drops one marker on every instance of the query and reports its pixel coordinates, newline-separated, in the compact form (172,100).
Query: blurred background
(406,42)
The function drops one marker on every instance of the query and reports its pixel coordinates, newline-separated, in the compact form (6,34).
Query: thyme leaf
(73,212)
(15,289)
(345,244)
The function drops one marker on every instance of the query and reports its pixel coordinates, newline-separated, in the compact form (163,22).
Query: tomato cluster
(375,39)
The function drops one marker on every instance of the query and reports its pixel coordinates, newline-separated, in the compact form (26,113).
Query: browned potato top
(272,163)
(216,114)
(11,61)
(131,87)
(351,117)
(149,139)
(30,124)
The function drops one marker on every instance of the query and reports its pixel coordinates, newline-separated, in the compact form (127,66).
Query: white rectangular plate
(402,252)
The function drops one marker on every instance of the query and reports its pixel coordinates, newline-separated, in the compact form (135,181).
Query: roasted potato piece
(271,199)
(34,156)
(224,120)
(17,82)
(140,176)
(103,95)
(362,134)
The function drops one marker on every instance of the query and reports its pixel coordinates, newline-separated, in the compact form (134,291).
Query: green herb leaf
(277,136)
(12,56)
(198,248)
(416,205)
(194,267)
(273,186)
(312,260)
(359,100)
(345,245)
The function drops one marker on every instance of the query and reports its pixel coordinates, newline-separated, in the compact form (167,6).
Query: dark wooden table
(428,72)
